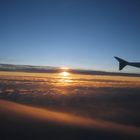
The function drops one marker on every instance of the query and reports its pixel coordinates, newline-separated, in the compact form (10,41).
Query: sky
(83,34)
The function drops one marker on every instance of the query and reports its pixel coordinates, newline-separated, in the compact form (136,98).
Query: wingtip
(122,63)
(117,58)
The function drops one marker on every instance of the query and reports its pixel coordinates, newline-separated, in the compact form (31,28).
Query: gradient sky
(75,33)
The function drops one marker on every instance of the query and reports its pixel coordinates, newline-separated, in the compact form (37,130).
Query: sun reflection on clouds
(65,78)
(65,74)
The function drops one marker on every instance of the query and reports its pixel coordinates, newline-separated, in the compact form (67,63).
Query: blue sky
(74,33)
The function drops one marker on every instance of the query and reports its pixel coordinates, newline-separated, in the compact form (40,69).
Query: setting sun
(65,74)
(64,68)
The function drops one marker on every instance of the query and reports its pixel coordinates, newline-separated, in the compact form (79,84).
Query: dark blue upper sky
(74,33)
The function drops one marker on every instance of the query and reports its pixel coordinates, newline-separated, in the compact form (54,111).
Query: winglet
(122,63)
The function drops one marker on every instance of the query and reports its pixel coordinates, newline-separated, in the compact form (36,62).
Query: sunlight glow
(65,74)
(64,68)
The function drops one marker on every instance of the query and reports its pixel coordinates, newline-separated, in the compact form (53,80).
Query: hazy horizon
(52,69)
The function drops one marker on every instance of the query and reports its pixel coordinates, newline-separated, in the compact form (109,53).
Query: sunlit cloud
(107,94)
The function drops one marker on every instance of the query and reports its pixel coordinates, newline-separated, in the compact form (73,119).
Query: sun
(64,68)
(65,74)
